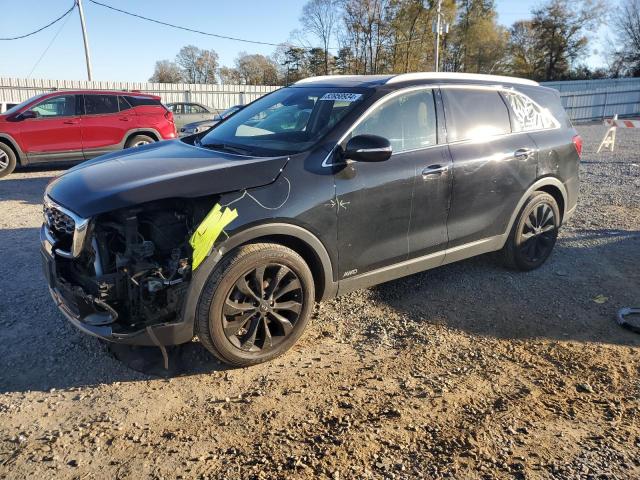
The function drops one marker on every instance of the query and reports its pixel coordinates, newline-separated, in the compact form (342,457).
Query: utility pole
(438,13)
(86,39)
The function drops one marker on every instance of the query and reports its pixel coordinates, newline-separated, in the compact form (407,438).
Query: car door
(55,132)
(492,167)
(374,200)
(103,127)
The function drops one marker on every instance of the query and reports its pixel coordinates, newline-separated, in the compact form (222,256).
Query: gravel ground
(466,371)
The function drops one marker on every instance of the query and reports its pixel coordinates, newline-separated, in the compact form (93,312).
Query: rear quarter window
(549,99)
(475,114)
(142,101)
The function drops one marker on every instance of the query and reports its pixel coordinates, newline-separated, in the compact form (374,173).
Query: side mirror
(368,148)
(29,114)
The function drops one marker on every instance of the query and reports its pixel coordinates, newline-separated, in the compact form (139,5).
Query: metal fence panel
(214,96)
(588,100)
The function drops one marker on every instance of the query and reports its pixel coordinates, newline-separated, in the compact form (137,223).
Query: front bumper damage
(95,318)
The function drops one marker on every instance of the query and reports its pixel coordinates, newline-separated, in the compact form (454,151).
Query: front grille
(67,230)
(60,224)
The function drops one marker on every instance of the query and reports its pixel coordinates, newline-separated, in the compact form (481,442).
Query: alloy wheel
(4,161)
(262,307)
(141,143)
(538,233)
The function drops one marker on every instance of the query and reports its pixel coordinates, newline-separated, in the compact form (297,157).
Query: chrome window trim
(81,227)
(377,103)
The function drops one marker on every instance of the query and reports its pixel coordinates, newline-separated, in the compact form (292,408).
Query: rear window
(100,104)
(475,114)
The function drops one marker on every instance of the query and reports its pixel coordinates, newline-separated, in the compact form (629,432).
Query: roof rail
(323,77)
(458,76)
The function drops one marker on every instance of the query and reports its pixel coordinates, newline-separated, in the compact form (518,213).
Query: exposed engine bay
(135,267)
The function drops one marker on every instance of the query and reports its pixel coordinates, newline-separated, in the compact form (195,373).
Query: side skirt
(420,264)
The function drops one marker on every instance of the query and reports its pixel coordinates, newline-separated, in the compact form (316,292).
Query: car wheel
(7,160)
(138,141)
(255,305)
(534,233)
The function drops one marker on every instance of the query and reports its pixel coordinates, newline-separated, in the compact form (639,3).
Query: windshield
(13,110)
(287,121)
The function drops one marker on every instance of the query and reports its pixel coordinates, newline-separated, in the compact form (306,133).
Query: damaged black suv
(333,184)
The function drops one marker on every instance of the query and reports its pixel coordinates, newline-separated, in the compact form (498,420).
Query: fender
(255,233)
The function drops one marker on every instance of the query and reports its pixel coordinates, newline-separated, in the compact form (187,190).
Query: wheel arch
(142,131)
(299,239)
(13,145)
(551,185)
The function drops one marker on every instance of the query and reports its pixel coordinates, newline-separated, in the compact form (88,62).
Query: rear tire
(139,141)
(8,160)
(533,234)
(244,321)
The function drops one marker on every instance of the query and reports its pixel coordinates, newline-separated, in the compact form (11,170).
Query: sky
(126,49)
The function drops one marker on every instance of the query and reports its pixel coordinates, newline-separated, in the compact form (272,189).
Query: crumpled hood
(170,169)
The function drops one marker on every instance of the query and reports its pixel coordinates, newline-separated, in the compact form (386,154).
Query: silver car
(188,112)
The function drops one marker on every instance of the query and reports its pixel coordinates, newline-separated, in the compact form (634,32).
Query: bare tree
(166,71)
(256,69)
(319,18)
(627,25)
(198,66)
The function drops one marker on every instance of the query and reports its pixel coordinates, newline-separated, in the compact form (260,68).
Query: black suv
(333,184)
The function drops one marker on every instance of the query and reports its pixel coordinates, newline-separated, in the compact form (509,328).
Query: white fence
(587,100)
(215,96)
(584,100)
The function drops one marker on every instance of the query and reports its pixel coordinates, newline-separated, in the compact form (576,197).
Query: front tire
(534,233)
(255,305)
(7,160)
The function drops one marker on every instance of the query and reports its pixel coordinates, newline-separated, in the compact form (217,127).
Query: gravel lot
(467,371)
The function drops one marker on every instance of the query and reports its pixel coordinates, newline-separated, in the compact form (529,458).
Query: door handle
(523,153)
(124,119)
(434,170)
(72,121)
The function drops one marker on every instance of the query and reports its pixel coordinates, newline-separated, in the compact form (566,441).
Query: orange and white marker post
(609,139)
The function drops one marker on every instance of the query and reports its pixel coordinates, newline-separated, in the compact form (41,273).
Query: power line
(179,27)
(42,28)
(48,47)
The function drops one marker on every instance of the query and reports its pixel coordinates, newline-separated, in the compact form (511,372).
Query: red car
(79,125)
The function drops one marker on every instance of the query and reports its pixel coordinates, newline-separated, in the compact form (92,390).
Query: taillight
(577,142)
(169,115)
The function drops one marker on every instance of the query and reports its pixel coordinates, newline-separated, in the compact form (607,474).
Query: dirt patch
(467,371)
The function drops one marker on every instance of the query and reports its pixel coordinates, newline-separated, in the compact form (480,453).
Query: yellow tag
(208,232)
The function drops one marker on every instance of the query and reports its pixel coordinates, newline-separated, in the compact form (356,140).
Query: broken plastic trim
(208,232)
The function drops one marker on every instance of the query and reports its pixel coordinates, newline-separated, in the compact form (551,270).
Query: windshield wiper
(226,148)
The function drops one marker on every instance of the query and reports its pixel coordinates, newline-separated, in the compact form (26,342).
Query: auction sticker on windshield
(343,97)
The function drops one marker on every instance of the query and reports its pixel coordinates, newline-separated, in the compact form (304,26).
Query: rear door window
(475,114)
(100,104)
(408,121)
